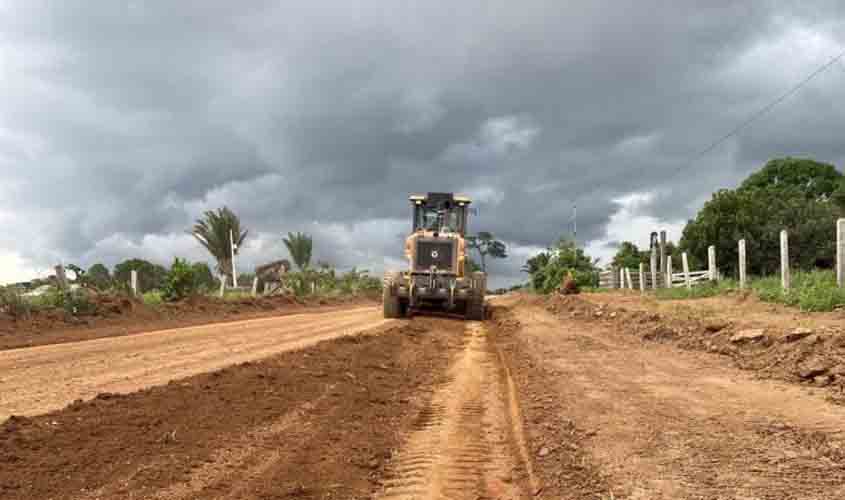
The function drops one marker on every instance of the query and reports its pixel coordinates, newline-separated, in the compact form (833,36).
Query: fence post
(222,285)
(742,264)
(133,281)
(840,252)
(784,259)
(621,277)
(711,262)
(669,272)
(653,268)
(61,277)
(642,277)
(685,262)
(255,286)
(628,277)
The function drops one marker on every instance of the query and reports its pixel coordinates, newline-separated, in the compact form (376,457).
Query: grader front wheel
(392,303)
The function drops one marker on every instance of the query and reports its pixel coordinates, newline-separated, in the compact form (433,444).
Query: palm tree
(215,231)
(299,246)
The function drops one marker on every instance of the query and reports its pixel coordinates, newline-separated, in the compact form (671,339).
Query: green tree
(628,255)
(180,281)
(803,202)
(299,246)
(486,245)
(150,276)
(203,277)
(811,178)
(99,276)
(548,268)
(536,263)
(215,232)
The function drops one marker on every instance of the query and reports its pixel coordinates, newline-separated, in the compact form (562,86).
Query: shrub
(152,298)
(180,282)
(150,276)
(74,302)
(14,304)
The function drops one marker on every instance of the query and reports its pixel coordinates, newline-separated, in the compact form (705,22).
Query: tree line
(801,195)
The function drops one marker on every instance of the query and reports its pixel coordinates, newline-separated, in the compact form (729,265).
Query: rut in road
(462,445)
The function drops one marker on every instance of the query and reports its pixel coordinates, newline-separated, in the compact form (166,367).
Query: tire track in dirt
(462,445)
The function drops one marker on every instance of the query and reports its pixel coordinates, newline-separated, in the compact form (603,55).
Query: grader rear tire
(475,308)
(475,304)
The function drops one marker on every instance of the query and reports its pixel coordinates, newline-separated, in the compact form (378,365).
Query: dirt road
(660,423)
(412,409)
(526,405)
(40,379)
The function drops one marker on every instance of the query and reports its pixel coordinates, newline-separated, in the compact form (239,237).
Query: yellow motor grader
(437,254)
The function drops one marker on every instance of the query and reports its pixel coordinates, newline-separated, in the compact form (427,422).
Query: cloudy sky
(121,122)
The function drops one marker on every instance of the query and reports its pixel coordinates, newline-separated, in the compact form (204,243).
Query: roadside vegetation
(85,289)
(548,269)
(803,196)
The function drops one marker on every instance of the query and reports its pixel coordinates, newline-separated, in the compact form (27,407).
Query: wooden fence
(651,277)
(662,275)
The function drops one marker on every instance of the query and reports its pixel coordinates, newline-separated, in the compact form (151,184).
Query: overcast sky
(121,122)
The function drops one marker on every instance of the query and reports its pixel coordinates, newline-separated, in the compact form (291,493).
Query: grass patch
(229,294)
(813,291)
(810,291)
(153,298)
(709,289)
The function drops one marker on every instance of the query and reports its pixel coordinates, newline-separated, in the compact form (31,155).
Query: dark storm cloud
(121,123)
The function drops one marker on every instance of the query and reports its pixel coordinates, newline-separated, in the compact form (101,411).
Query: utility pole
(575,224)
(234,249)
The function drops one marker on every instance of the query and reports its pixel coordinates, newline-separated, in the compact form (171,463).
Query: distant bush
(152,298)
(150,276)
(204,279)
(74,302)
(548,269)
(14,304)
(180,281)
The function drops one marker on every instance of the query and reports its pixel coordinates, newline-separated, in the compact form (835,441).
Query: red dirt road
(40,379)
(664,424)
(538,403)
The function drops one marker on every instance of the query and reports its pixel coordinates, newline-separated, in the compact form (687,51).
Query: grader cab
(437,278)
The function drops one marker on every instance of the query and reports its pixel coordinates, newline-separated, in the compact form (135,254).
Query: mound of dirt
(787,352)
(115,315)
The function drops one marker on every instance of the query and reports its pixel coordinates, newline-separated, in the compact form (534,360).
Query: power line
(764,110)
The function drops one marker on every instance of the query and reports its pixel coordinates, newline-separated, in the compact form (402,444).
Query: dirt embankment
(311,424)
(114,316)
(780,344)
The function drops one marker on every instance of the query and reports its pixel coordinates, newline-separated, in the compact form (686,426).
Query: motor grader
(437,278)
